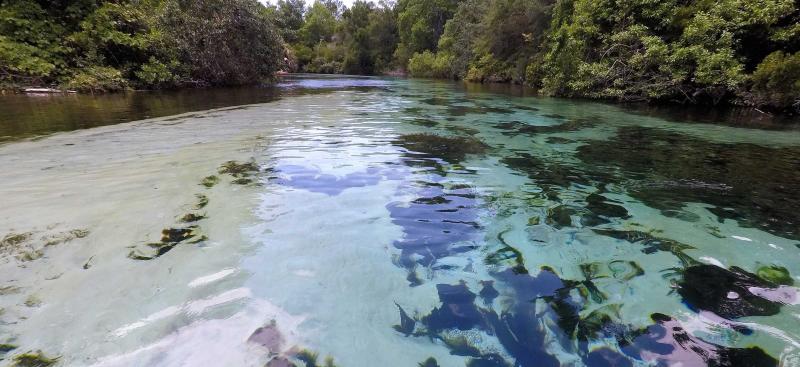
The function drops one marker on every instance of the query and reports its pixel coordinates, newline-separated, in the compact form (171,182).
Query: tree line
(689,51)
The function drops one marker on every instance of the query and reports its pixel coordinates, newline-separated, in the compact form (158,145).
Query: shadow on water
(25,116)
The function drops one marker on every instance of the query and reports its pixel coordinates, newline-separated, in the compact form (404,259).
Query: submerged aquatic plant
(407,323)
(452,149)
(202,201)
(651,243)
(505,253)
(237,169)
(242,173)
(170,237)
(519,127)
(672,169)
(192,217)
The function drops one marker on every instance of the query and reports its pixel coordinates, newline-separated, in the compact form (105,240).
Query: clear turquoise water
(386,222)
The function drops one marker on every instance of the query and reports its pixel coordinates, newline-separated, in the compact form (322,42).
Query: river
(390,222)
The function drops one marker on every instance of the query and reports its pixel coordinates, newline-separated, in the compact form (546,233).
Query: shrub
(776,81)
(430,65)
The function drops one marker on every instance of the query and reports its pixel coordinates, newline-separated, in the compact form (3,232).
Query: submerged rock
(268,336)
(280,362)
(430,362)
(667,343)
(727,293)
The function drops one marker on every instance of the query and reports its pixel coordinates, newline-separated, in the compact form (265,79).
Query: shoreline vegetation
(694,52)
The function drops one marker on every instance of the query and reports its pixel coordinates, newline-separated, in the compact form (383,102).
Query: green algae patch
(202,201)
(209,181)
(14,239)
(237,169)
(452,149)
(5,348)
(33,359)
(775,274)
(191,218)
(242,172)
(33,301)
(29,246)
(242,181)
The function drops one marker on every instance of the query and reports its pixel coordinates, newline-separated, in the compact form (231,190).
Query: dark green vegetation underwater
(741,52)
(443,220)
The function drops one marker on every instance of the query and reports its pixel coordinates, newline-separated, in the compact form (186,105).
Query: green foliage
(776,81)
(359,40)
(320,24)
(288,18)
(421,23)
(158,74)
(644,50)
(101,45)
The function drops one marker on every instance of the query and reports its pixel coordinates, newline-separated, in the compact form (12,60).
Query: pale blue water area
(391,222)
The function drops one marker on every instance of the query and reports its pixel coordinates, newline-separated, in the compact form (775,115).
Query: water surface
(385,222)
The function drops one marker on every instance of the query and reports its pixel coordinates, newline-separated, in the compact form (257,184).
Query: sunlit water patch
(366,222)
